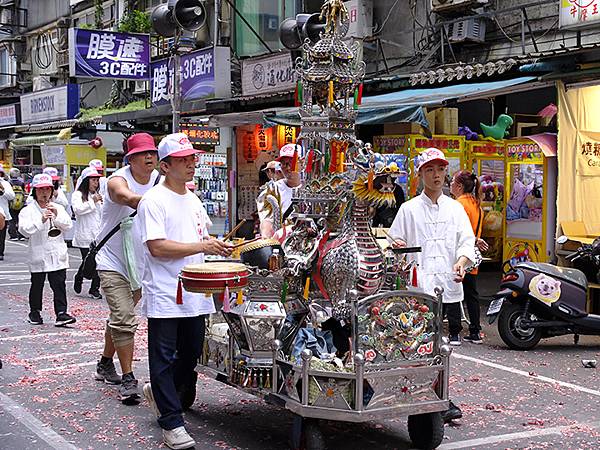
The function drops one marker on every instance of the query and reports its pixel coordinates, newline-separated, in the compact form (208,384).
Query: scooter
(539,300)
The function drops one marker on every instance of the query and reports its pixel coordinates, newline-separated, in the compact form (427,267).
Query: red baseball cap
(139,143)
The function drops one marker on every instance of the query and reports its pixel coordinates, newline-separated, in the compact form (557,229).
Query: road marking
(29,336)
(27,271)
(486,441)
(61,355)
(526,374)
(75,365)
(27,284)
(44,432)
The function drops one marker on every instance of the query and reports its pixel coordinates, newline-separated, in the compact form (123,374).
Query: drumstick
(237,227)
(392,238)
(245,242)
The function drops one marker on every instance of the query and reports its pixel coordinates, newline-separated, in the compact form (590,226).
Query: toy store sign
(579,13)
(390,144)
(269,74)
(588,156)
(523,151)
(107,54)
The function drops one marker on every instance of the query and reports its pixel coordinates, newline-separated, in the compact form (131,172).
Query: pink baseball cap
(140,143)
(42,180)
(96,164)
(53,172)
(287,151)
(177,145)
(430,155)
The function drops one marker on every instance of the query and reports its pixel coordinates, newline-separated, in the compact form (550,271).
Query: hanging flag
(358,92)
(309,161)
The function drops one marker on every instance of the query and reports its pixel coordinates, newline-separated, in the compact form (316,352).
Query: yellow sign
(285,135)
(81,155)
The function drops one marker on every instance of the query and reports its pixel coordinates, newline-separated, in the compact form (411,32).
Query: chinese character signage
(588,153)
(50,104)
(263,138)
(197,72)
(447,144)
(200,134)
(579,13)
(8,115)
(268,74)
(107,54)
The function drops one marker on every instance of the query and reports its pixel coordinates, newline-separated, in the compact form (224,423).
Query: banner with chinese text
(588,153)
(107,54)
(268,74)
(579,13)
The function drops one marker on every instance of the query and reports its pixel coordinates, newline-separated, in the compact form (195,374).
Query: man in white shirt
(173,226)
(124,191)
(441,227)
(285,187)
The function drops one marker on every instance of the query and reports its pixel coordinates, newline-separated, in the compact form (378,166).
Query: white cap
(96,164)
(41,180)
(287,151)
(53,172)
(88,172)
(177,145)
(430,155)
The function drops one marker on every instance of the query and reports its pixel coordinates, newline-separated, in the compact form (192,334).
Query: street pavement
(543,398)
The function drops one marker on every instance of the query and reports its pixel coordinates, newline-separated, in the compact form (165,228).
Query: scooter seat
(563,273)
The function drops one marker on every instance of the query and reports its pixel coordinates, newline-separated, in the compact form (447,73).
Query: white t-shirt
(164,214)
(111,256)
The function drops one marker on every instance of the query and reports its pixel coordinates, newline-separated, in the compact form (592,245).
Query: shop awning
(407,105)
(34,140)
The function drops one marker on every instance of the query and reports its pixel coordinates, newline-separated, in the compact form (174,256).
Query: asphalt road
(48,398)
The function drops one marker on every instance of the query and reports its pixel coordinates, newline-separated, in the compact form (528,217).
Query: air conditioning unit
(448,6)
(140,87)
(468,29)
(360,13)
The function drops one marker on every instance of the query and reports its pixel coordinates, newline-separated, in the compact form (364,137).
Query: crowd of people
(145,253)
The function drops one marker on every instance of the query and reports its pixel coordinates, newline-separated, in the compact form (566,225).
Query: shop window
(8,69)
(264,16)
(524,209)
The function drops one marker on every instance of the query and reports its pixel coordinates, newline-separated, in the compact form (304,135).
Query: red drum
(214,277)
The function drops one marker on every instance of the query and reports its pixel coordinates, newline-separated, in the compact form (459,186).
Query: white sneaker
(149,396)
(177,438)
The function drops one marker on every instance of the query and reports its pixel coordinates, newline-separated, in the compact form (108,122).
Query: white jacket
(5,198)
(46,254)
(87,225)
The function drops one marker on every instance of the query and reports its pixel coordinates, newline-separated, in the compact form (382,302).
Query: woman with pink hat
(86,203)
(44,223)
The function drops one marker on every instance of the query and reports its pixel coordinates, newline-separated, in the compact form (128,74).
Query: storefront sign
(50,104)
(285,135)
(200,134)
(8,115)
(523,151)
(451,144)
(263,138)
(53,154)
(487,148)
(266,74)
(588,156)
(390,143)
(579,13)
(249,146)
(107,54)
(197,76)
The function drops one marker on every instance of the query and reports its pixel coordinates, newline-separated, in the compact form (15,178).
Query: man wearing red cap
(441,227)
(173,226)
(125,188)
(284,186)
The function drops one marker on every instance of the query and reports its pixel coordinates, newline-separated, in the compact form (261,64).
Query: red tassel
(295,160)
(360,94)
(226,305)
(309,161)
(333,162)
(415,282)
(370,179)
(179,293)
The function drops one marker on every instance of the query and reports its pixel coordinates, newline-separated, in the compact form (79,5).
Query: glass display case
(396,148)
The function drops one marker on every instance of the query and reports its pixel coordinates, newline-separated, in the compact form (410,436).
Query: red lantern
(263,138)
(249,149)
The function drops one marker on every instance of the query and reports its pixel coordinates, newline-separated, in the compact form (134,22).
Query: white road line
(487,441)
(44,432)
(83,364)
(26,284)
(483,362)
(61,355)
(27,271)
(31,336)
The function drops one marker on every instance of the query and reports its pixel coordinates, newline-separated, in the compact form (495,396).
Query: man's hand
(216,247)
(398,243)
(459,272)
(482,245)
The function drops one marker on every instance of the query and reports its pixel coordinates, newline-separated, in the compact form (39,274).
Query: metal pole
(522,32)
(176,97)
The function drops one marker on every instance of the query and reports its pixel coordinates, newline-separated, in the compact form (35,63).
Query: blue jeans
(174,346)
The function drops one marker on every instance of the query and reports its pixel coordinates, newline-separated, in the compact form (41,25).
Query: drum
(214,277)
(256,253)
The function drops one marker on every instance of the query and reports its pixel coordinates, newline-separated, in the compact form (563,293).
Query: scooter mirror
(562,240)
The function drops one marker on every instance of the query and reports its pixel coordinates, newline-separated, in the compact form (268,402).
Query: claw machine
(530,218)
(396,148)
(453,147)
(488,160)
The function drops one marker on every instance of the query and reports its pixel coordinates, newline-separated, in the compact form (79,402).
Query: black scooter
(539,300)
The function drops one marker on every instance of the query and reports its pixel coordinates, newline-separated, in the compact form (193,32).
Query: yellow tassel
(306,288)
(341,159)
(370,179)
(331,92)
(240,298)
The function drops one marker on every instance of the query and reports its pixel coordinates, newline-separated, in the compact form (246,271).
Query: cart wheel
(426,431)
(306,434)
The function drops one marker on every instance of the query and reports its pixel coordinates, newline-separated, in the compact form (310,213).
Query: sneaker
(187,392)
(473,338)
(96,295)
(129,393)
(178,438)
(452,413)
(35,318)
(77,282)
(149,396)
(64,319)
(455,340)
(106,372)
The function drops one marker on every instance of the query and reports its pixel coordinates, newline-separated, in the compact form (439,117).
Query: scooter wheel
(426,431)
(512,332)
